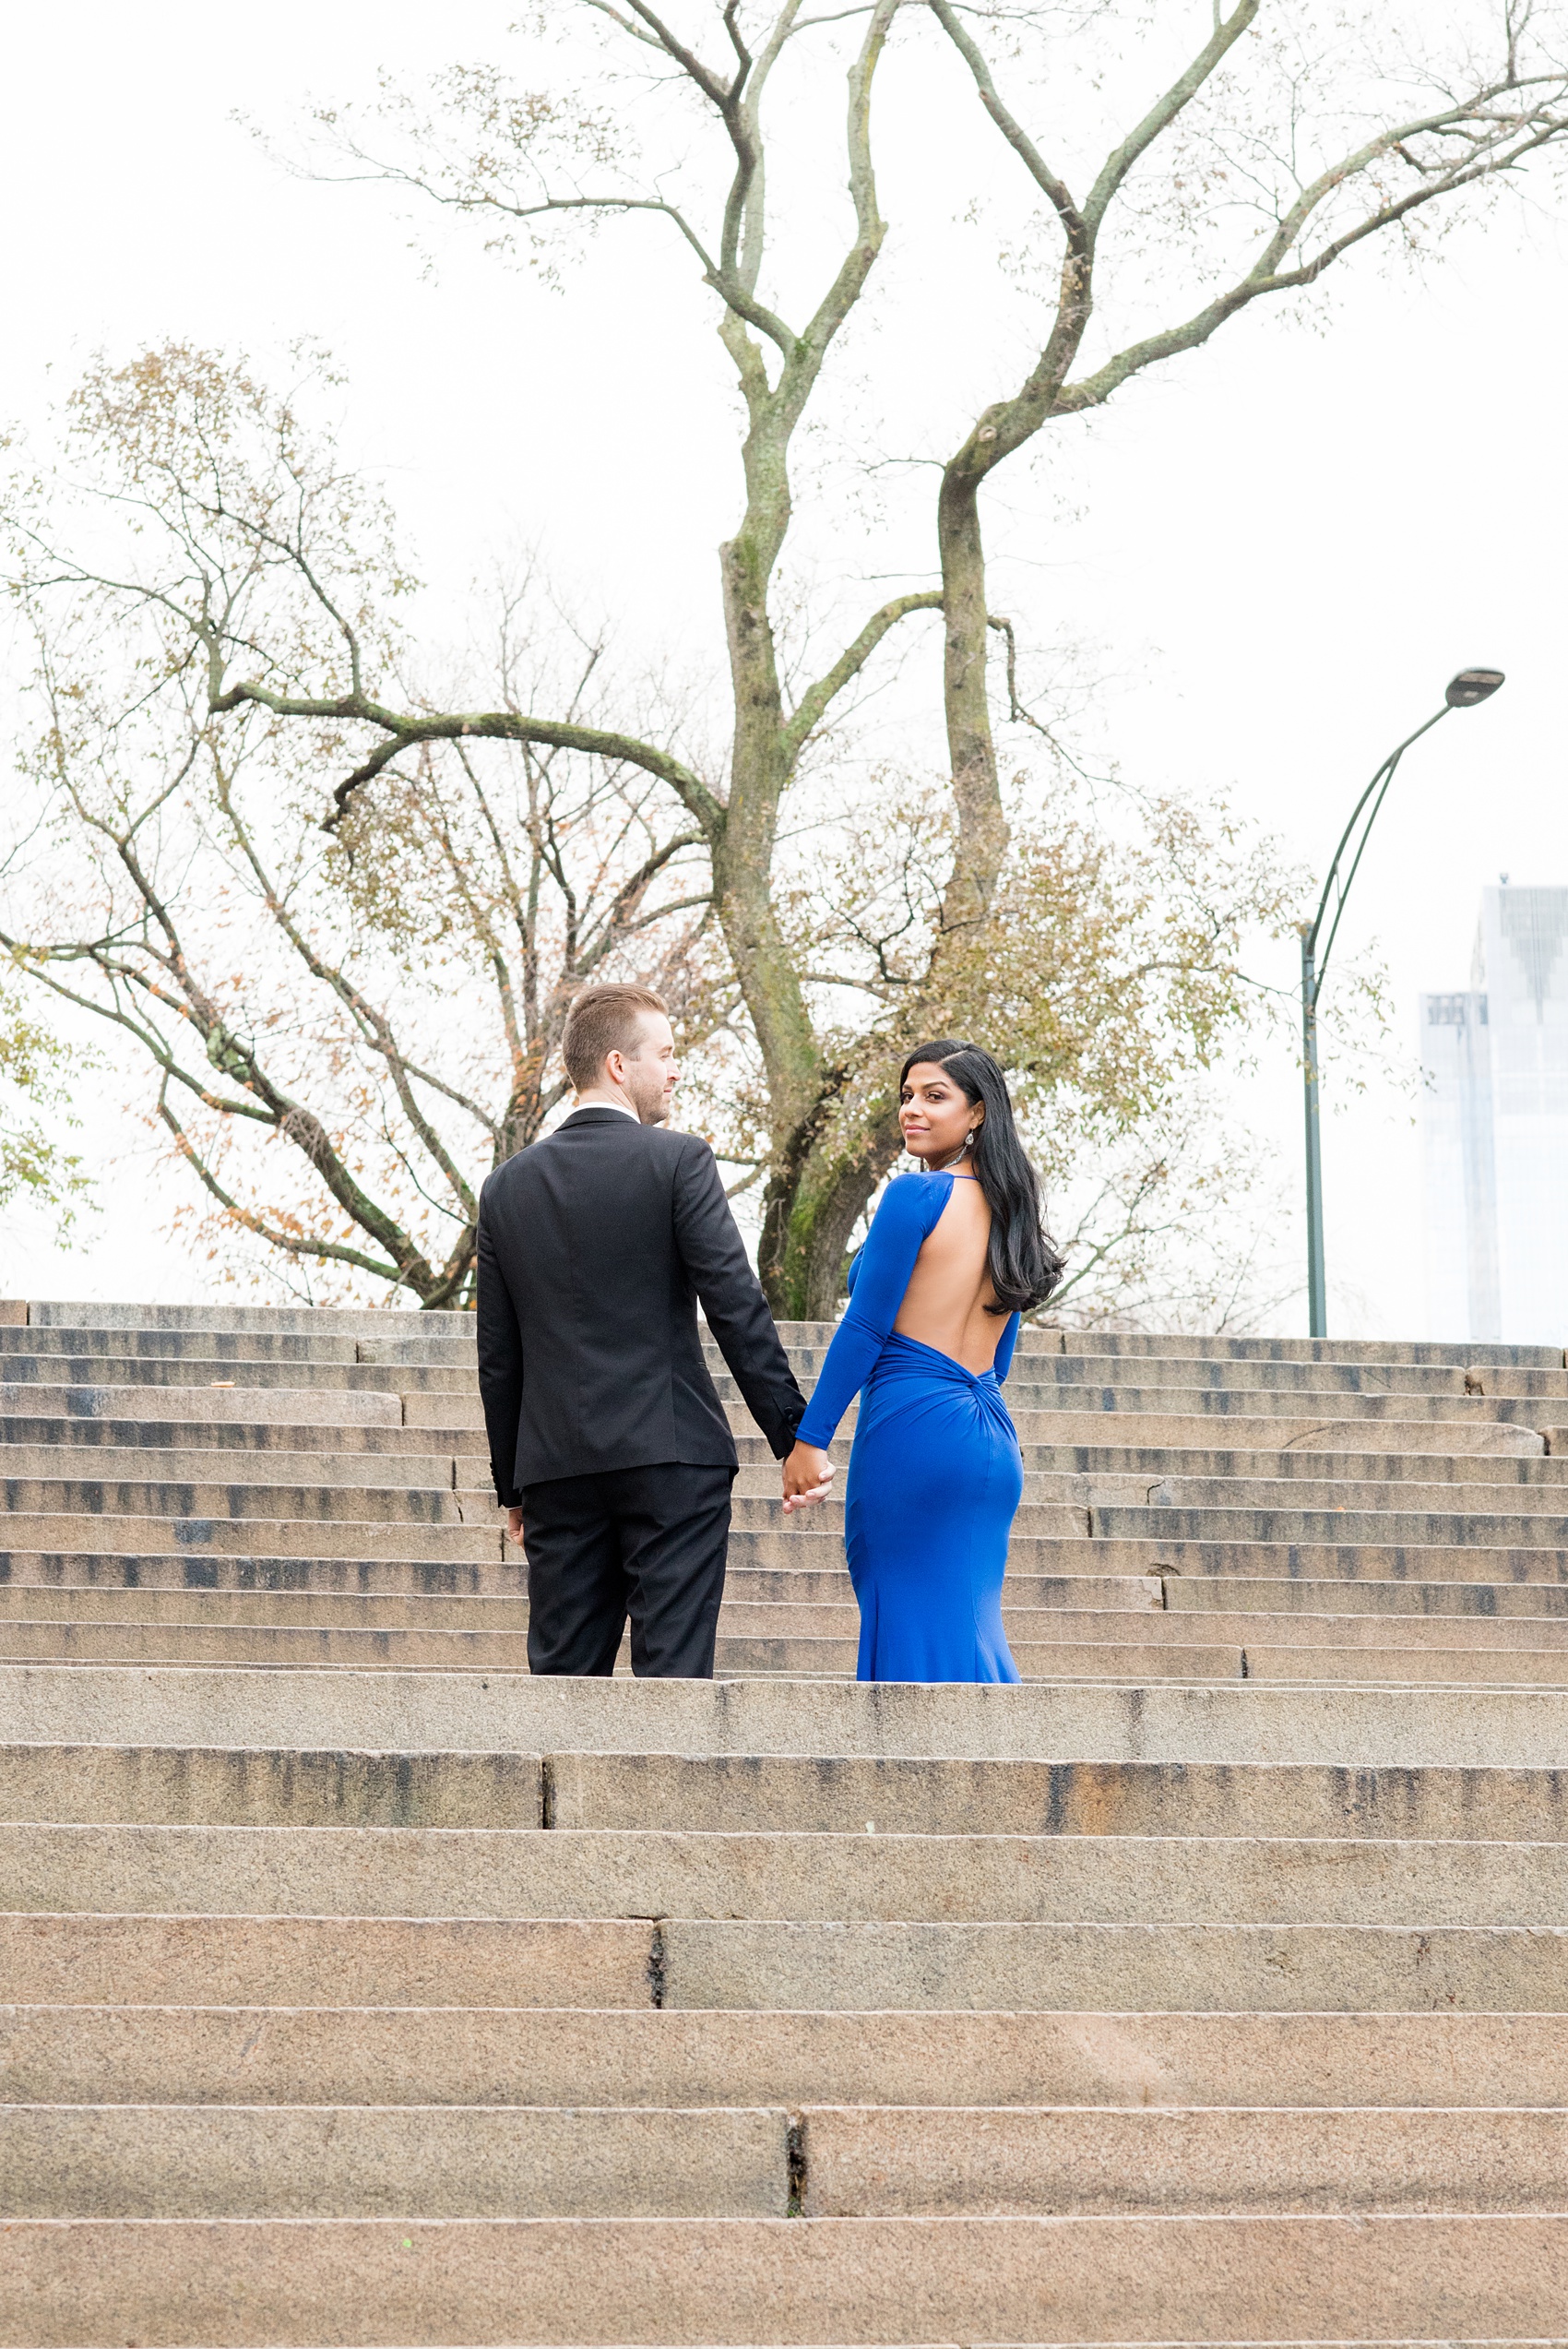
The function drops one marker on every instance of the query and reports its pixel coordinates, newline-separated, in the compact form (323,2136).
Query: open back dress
(935,1473)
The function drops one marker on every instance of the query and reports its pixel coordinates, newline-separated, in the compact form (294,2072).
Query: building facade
(1494,1116)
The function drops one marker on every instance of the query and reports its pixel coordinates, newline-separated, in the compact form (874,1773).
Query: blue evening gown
(935,1473)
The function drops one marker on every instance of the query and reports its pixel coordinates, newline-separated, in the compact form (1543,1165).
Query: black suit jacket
(594,1246)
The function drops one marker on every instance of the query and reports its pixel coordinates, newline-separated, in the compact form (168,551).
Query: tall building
(1494,1116)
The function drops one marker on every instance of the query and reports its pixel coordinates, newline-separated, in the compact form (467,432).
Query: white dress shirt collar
(618,1106)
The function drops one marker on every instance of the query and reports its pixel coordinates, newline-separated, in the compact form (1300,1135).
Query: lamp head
(1470,686)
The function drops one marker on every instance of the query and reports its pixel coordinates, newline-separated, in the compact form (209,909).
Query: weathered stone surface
(1255,1903)
(1246,1722)
(584,1872)
(79,1957)
(248,1403)
(323,2162)
(176,1785)
(1187,1968)
(75,2285)
(668,2057)
(872,2162)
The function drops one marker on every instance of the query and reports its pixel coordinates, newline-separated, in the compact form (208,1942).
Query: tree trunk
(812,1206)
(983,827)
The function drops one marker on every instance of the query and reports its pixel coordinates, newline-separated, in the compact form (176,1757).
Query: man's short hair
(602,1020)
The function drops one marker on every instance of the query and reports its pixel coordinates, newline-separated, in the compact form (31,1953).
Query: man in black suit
(608,1443)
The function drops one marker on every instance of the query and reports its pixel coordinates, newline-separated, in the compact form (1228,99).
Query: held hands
(807,1475)
(515,1526)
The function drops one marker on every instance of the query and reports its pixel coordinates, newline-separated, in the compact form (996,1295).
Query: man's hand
(807,1475)
(515,1526)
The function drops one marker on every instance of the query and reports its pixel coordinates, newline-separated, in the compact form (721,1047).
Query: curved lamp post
(1464,692)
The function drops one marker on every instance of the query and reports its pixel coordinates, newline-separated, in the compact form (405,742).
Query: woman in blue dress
(954,1256)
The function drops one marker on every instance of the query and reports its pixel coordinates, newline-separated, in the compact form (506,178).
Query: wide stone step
(1323,1657)
(424,2056)
(1026,1617)
(73,1443)
(261,1788)
(314,1501)
(1245,1593)
(1515,1529)
(320,2161)
(238,1320)
(159,1960)
(265,1787)
(1190,1474)
(1241,2278)
(1334,1560)
(41,1343)
(1467,1603)
(120,1469)
(1326,1663)
(1179,1627)
(1469,1352)
(333,1609)
(482,1569)
(901,1795)
(1490,1495)
(867,2162)
(168,1964)
(428,1527)
(405,1320)
(300,1646)
(124,1374)
(315,2160)
(569,1872)
(141,1409)
(1243,1723)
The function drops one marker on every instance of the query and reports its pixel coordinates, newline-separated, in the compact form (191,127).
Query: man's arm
(500,1365)
(737,1312)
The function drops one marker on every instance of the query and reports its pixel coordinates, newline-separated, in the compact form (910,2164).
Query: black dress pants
(645,1541)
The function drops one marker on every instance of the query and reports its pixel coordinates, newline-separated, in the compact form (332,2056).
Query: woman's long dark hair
(1022,1262)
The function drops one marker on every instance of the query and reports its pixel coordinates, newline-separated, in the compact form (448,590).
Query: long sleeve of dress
(909,1208)
(1004,1345)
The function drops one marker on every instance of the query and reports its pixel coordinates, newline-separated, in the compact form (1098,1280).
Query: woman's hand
(807,1475)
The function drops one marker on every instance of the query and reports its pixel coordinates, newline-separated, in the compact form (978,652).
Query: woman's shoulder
(908,1197)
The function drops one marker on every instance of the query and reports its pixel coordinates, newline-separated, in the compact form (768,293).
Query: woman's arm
(909,1208)
(1004,1346)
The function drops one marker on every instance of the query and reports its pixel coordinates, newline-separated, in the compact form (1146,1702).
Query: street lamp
(1464,692)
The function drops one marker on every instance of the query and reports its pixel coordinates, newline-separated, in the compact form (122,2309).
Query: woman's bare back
(950,1287)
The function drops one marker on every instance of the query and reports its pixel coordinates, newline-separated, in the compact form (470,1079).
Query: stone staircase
(1210,1988)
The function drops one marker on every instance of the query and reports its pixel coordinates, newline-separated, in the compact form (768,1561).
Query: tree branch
(817,700)
(405,730)
(291,1243)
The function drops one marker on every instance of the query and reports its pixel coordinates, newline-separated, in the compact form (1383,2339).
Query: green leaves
(35,1065)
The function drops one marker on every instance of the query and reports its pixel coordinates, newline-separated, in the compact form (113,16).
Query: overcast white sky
(1280,550)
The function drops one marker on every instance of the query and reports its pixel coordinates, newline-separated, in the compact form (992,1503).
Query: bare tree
(386,999)
(1264,155)
(1272,150)
(1267,157)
